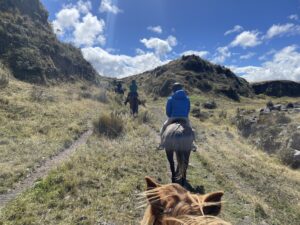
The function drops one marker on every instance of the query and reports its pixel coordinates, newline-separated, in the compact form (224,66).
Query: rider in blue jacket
(178,107)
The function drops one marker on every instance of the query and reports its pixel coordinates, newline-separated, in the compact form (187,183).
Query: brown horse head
(171,204)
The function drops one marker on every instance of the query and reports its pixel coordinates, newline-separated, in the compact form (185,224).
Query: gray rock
(210,105)
(295,142)
(277,107)
(296,159)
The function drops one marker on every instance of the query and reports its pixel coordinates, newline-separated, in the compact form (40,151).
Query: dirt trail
(43,169)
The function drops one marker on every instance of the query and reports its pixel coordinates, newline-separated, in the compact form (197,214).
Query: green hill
(29,47)
(198,76)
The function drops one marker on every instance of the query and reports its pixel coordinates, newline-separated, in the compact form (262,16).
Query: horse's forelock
(181,213)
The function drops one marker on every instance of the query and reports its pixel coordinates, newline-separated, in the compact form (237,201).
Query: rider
(119,88)
(133,87)
(134,96)
(178,107)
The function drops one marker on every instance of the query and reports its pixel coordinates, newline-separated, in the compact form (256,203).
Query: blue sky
(256,39)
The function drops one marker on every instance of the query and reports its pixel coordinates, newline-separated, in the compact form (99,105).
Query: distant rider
(133,87)
(178,107)
(119,88)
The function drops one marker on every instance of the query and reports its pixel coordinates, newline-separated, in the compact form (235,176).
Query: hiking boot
(194,147)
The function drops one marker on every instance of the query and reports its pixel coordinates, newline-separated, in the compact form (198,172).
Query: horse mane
(181,214)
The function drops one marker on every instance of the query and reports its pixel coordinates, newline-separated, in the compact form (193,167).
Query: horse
(171,204)
(178,137)
(119,91)
(134,103)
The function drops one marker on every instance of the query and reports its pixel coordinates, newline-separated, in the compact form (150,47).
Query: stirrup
(194,147)
(160,147)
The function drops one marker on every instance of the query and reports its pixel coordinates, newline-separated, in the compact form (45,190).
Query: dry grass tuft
(110,125)
(102,97)
(39,94)
(4,76)
(145,117)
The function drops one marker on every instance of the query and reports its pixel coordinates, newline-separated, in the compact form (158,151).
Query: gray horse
(178,138)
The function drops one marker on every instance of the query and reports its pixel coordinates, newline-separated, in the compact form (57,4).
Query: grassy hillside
(29,47)
(198,75)
(99,184)
(37,122)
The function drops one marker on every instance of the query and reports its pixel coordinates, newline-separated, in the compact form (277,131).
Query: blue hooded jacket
(178,105)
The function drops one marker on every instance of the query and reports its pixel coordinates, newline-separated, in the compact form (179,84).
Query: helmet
(177,86)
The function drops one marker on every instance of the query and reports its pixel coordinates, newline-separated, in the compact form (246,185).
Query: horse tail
(182,161)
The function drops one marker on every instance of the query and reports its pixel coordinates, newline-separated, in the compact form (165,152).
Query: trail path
(43,170)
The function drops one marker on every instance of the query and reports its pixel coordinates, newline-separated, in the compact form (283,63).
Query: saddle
(180,121)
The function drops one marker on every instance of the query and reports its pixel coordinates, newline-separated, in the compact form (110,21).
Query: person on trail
(178,107)
(133,87)
(119,88)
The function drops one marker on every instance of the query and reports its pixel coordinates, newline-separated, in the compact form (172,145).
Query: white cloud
(76,24)
(248,55)
(89,31)
(281,30)
(156,29)
(268,54)
(65,19)
(108,64)
(139,51)
(246,39)
(84,6)
(285,65)
(221,55)
(244,70)
(293,17)
(235,29)
(201,54)
(108,6)
(161,47)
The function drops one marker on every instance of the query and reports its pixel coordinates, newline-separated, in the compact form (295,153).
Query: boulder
(296,159)
(210,105)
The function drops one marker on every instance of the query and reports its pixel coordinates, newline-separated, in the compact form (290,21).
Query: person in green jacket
(133,87)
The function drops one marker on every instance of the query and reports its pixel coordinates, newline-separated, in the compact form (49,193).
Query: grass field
(100,183)
(38,122)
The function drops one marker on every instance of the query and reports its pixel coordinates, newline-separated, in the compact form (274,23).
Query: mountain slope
(31,50)
(197,75)
(277,88)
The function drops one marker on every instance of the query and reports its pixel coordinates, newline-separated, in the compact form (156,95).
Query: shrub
(4,76)
(102,97)
(144,117)
(3,81)
(111,125)
(223,114)
(38,94)
(283,119)
(86,95)
(286,156)
(197,104)
(119,99)
(270,104)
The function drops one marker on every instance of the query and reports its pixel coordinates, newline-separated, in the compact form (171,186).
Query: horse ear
(153,196)
(213,201)
(151,184)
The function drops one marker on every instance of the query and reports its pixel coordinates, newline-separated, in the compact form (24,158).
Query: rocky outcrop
(278,88)
(31,50)
(274,130)
(197,75)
